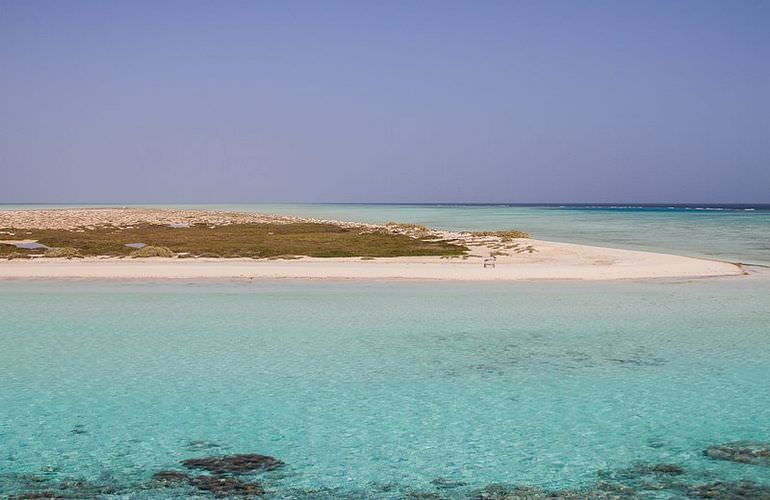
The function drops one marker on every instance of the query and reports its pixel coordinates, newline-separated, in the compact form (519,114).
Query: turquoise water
(377,389)
(359,386)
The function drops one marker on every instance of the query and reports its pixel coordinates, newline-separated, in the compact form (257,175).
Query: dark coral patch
(743,452)
(740,490)
(226,486)
(234,464)
(671,469)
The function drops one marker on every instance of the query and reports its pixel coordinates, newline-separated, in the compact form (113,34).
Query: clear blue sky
(387,101)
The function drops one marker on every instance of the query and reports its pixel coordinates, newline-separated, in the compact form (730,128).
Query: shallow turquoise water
(380,388)
(376,389)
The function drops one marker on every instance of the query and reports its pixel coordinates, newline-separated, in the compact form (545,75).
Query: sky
(384,101)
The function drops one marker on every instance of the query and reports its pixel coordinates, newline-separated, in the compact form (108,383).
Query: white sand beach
(551,261)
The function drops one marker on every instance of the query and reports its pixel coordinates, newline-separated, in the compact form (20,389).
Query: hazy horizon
(617,204)
(361,102)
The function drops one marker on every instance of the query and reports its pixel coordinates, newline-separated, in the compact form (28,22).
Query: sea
(399,389)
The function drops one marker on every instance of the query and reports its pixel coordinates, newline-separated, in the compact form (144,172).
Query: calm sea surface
(386,389)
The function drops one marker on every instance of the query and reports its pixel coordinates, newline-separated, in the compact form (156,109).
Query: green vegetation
(506,235)
(15,254)
(235,240)
(10,252)
(151,251)
(63,252)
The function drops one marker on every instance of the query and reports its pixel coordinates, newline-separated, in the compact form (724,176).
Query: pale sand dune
(552,261)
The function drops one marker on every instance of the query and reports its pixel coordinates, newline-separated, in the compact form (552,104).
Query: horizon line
(628,204)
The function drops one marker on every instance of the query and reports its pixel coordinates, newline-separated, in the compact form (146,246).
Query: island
(151,243)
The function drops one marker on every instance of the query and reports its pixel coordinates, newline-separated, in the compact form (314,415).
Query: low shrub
(17,255)
(506,235)
(63,252)
(151,251)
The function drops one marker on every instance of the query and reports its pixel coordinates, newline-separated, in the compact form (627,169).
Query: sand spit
(490,258)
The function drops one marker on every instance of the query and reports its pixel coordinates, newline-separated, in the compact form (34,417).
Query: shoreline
(553,261)
(488,256)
